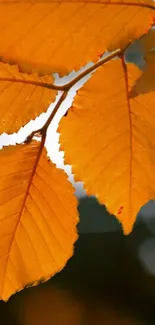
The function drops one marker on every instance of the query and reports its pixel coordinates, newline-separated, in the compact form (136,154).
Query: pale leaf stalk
(65,88)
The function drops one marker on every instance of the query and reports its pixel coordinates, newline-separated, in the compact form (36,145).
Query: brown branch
(90,69)
(42,131)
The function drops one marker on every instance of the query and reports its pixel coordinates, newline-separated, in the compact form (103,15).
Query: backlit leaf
(38,217)
(59,36)
(108,138)
(22,97)
(147,44)
(144,82)
(150,58)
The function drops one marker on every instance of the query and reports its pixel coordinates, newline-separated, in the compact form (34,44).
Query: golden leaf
(38,217)
(147,44)
(108,138)
(59,36)
(22,97)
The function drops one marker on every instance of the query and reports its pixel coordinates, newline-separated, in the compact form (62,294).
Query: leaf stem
(43,130)
(71,83)
(65,88)
(90,69)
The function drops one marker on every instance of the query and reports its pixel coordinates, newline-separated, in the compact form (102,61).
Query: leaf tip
(127,227)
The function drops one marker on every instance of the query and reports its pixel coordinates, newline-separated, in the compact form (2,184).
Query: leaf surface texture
(108,137)
(22,97)
(38,217)
(59,36)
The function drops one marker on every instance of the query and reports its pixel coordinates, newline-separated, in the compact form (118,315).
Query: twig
(42,131)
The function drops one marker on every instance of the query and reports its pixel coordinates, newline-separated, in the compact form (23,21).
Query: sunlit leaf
(59,36)
(143,83)
(22,97)
(147,44)
(38,217)
(150,59)
(108,138)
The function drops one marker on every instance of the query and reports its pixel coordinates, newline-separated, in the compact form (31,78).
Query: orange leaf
(108,138)
(143,82)
(147,43)
(22,97)
(59,36)
(38,217)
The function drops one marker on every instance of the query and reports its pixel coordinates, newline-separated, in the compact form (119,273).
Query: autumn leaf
(147,44)
(143,83)
(53,36)
(145,80)
(39,38)
(150,59)
(22,97)
(38,217)
(108,137)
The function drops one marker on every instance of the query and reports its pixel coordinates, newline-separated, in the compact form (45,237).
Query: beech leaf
(59,36)
(22,97)
(38,217)
(108,137)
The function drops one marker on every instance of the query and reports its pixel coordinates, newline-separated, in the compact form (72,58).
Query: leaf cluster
(107,135)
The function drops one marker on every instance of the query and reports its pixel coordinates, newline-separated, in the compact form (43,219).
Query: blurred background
(111,277)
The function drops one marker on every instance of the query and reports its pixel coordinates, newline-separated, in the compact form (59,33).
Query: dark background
(104,277)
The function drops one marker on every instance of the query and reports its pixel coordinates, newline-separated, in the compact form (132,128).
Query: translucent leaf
(147,44)
(38,217)
(59,36)
(108,138)
(22,97)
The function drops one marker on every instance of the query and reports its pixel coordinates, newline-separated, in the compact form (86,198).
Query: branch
(92,68)
(69,84)
(42,131)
